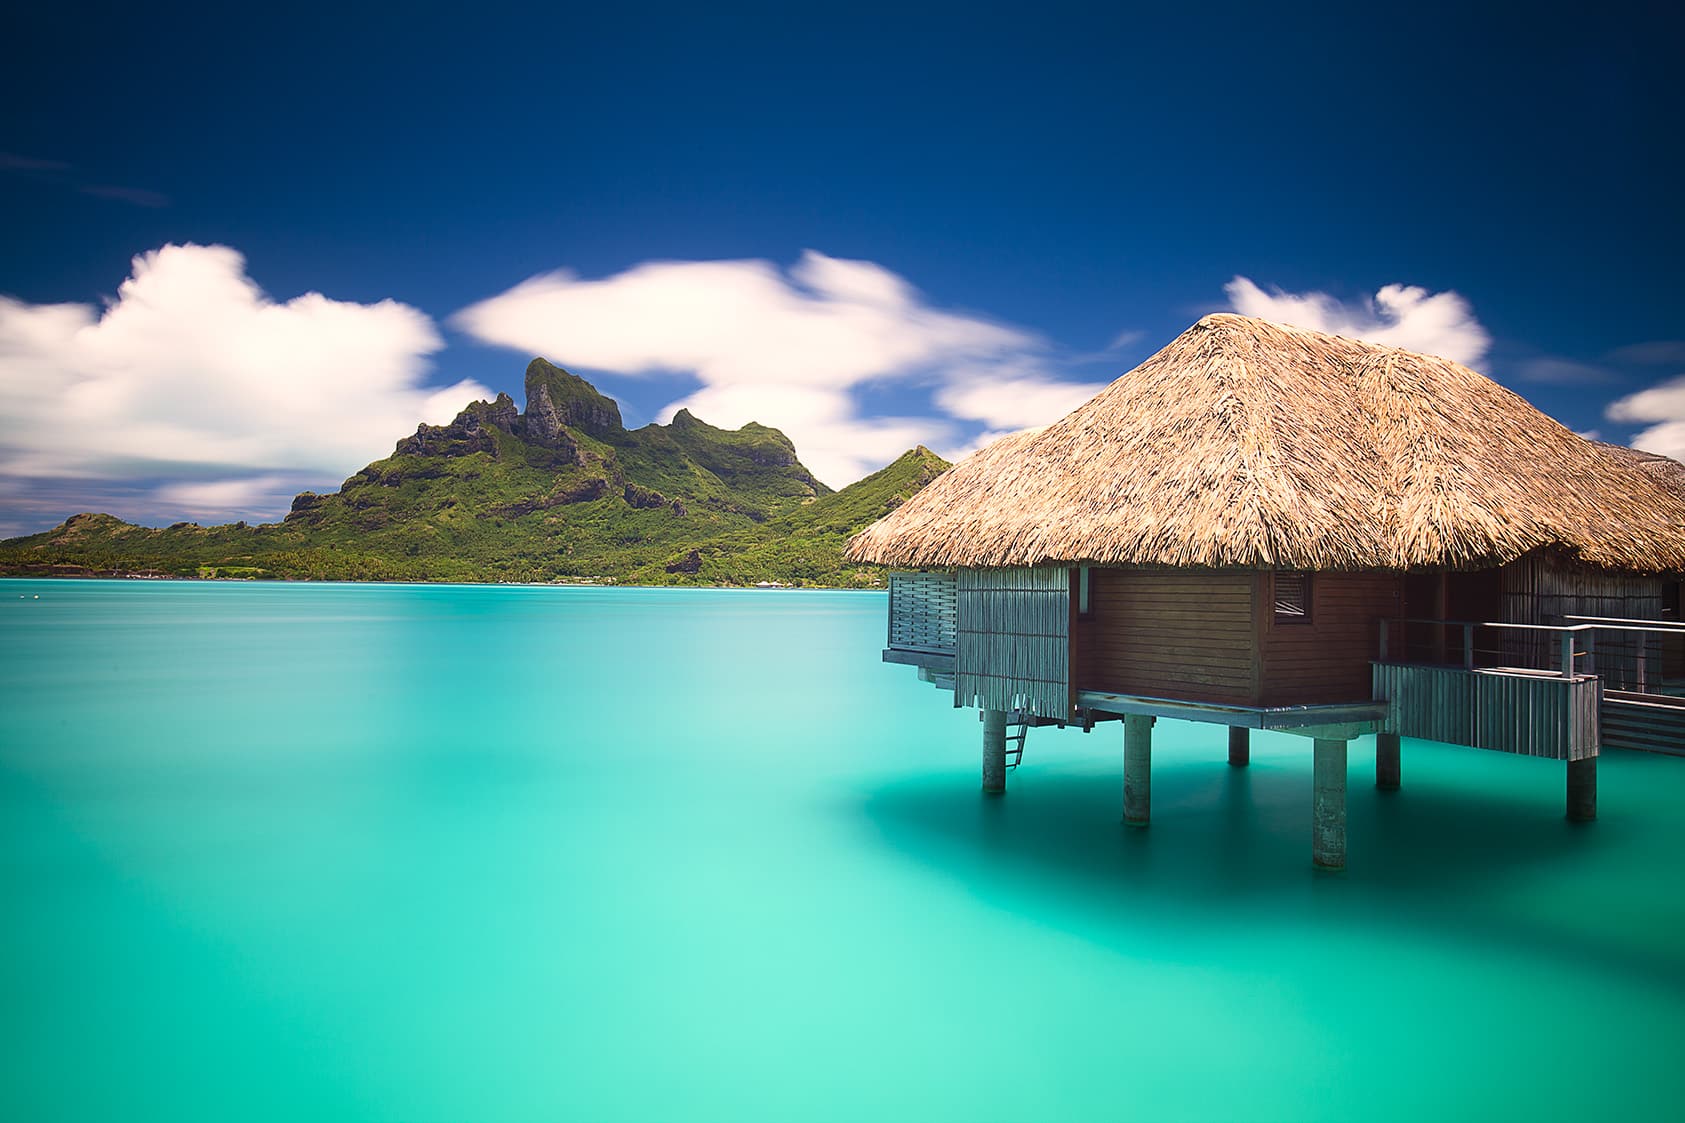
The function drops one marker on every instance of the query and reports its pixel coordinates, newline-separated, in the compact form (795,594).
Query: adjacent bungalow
(1270,528)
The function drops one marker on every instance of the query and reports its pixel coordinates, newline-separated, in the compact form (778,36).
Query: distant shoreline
(126,577)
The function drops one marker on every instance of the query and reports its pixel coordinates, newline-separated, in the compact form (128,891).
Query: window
(1292,598)
(1082,591)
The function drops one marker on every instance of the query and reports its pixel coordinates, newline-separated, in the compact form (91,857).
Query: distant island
(560,491)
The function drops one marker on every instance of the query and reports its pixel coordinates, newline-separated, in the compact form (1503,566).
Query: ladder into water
(1015,745)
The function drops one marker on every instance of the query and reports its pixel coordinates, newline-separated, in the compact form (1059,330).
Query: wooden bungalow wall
(1673,647)
(1327,657)
(1170,633)
(1545,588)
(1211,636)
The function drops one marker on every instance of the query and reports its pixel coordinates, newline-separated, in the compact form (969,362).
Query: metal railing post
(1468,647)
(1567,654)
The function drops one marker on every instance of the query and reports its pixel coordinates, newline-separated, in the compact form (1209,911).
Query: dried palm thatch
(1665,470)
(1248,444)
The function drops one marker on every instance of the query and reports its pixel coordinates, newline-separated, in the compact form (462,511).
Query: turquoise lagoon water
(319,852)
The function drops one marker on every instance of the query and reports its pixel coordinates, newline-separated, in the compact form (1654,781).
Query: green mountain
(559,491)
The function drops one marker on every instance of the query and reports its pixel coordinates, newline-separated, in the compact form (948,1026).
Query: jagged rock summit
(557,402)
(556,397)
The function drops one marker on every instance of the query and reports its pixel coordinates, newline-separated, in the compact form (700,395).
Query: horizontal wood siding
(1183,634)
(1646,723)
(1326,659)
(921,610)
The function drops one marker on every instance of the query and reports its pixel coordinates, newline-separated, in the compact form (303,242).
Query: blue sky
(869,225)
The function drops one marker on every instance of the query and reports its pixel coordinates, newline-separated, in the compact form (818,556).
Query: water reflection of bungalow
(1269,528)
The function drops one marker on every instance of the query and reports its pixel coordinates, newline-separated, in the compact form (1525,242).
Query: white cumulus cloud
(1663,408)
(784,347)
(1440,323)
(1008,401)
(194,377)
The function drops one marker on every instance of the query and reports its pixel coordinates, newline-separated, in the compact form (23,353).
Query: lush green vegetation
(559,492)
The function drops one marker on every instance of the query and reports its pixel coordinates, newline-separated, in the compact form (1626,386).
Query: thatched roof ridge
(1665,470)
(1247,443)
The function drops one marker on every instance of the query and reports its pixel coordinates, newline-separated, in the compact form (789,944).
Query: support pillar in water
(1386,761)
(1328,810)
(994,751)
(1137,769)
(1240,746)
(1582,789)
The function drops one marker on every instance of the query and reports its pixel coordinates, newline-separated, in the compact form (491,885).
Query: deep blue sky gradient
(1077,169)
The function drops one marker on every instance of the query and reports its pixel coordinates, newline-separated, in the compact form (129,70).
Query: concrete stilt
(994,751)
(1386,761)
(1137,769)
(1582,789)
(1328,811)
(1240,746)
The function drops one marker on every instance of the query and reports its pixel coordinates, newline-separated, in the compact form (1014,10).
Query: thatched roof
(1246,443)
(1665,470)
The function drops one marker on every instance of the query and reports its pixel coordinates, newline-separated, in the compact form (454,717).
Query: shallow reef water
(380,852)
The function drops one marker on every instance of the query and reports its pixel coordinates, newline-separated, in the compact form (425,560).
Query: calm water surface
(319,852)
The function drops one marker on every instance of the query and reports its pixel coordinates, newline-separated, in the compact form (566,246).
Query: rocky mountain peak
(556,397)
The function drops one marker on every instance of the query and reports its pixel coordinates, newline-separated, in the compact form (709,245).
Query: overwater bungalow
(1263,527)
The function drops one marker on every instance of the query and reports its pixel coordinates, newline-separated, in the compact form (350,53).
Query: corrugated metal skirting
(1431,703)
(1013,637)
(1524,714)
(1548,717)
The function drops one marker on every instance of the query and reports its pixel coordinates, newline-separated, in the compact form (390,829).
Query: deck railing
(1628,660)
(1536,689)
(1468,694)
(1646,669)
